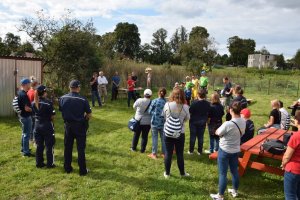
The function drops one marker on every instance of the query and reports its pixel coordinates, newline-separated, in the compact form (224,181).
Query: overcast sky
(274,23)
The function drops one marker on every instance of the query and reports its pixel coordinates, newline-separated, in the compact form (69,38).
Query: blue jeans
(95,93)
(197,130)
(26,123)
(155,132)
(291,186)
(225,160)
(131,95)
(214,143)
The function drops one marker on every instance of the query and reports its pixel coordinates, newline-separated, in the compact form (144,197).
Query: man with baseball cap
(75,111)
(25,116)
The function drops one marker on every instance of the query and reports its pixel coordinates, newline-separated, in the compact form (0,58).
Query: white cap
(147,92)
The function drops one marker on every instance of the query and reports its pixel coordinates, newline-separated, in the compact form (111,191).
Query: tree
(127,39)
(145,53)
(160,48)
(107,44)
(179,37)
(296,59)
(264,51)
(4,50)
(280,61)
(68,47)
(240,49)
(25,47)
(199,31)
(12,41)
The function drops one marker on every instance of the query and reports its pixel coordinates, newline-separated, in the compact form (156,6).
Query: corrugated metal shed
(12,70)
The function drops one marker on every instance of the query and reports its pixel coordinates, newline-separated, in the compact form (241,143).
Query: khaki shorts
(102,90)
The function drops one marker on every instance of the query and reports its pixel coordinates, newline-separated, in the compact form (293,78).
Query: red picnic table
(253,147)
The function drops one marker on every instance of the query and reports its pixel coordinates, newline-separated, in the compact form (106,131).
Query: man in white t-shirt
(230,136)
(102,83)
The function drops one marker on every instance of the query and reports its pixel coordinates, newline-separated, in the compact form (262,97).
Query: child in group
(195,88)
(249,132)
(188,90)
(214,121)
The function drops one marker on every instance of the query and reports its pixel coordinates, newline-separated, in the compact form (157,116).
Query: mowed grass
(116,172)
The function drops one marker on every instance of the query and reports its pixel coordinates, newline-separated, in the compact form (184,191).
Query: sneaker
(166,175)
(190,153)
(216,197)
(233,192)
(207,152)
(198,153)
(84,173)
(28,155)
(133,150)
(69,170)
(40,165)
(185,175)
(153,156)
(51,166)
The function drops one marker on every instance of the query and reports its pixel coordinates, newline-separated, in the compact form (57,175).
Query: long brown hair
(37,95)
(178,96)
(162,92)
(215,98)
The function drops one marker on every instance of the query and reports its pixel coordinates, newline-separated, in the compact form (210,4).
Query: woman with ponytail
(44,130)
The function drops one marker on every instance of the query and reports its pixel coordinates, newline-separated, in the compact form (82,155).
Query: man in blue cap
(25,116)
(75,112)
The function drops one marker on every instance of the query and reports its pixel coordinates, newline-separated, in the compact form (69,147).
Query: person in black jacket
(238,92)
(199,114)
(44,130)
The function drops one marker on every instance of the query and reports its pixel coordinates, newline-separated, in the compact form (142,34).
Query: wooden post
(269,84)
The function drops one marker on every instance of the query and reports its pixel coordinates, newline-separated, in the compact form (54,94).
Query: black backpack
(15,105)
(273,146)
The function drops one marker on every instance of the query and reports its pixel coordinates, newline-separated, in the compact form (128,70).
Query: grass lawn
(116,172)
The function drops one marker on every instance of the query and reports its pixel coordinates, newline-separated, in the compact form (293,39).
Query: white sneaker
(216,197)
(190,153)
(185,175)
(166,175)
(198,153)
(207,152)
(233,192)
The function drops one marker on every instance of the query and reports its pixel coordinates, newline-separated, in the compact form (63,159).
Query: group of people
(166,118)
(38,110)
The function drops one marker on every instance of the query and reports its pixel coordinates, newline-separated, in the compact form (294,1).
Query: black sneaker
(51,166)
(28,155)
(84,173)
(68,171)
(40,165)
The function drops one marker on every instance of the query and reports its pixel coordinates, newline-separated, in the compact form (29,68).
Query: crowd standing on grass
(166,118)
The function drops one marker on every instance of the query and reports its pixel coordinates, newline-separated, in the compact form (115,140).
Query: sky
(273,24)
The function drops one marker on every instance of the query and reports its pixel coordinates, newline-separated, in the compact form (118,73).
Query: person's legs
(50,141)
(116,94)
(233,165)
(290,186)
(169,153)
(211,143)
(81,143)
(223,167)
(129,96)
(69,141)
(200,135)
(93,97)
(162,138)
(193,131)
(154,140)
(217,139)
(145,132)
(135,139)
(179,145)
(39,150)
(98,98)
(298,187)
(26,129)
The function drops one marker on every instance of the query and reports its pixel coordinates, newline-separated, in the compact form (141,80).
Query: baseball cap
(41,88)
(147,92)
(246,112)
(74,84)
(203,72)
(25,81)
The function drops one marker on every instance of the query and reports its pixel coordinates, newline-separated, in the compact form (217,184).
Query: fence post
(269,84)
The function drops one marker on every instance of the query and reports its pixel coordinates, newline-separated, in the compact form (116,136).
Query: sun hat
(148,92)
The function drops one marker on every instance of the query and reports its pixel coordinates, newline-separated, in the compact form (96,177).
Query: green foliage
(127,39)
(297,59)
(107,44)
(240,49)
(160,47)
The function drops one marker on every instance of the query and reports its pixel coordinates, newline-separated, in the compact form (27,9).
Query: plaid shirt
(155,110)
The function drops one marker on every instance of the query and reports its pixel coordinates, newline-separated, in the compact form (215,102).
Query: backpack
(173,125)
(15,105)
(188,94)
(134,124)
(286,138)
(273,146)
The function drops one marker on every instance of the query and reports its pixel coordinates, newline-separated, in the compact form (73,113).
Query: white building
(262,61)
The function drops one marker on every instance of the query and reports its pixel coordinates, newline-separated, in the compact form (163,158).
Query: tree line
(70,47)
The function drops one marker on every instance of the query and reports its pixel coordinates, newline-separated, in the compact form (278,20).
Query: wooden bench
(252,147)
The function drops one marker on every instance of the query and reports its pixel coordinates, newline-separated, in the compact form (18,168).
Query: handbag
(134,124)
